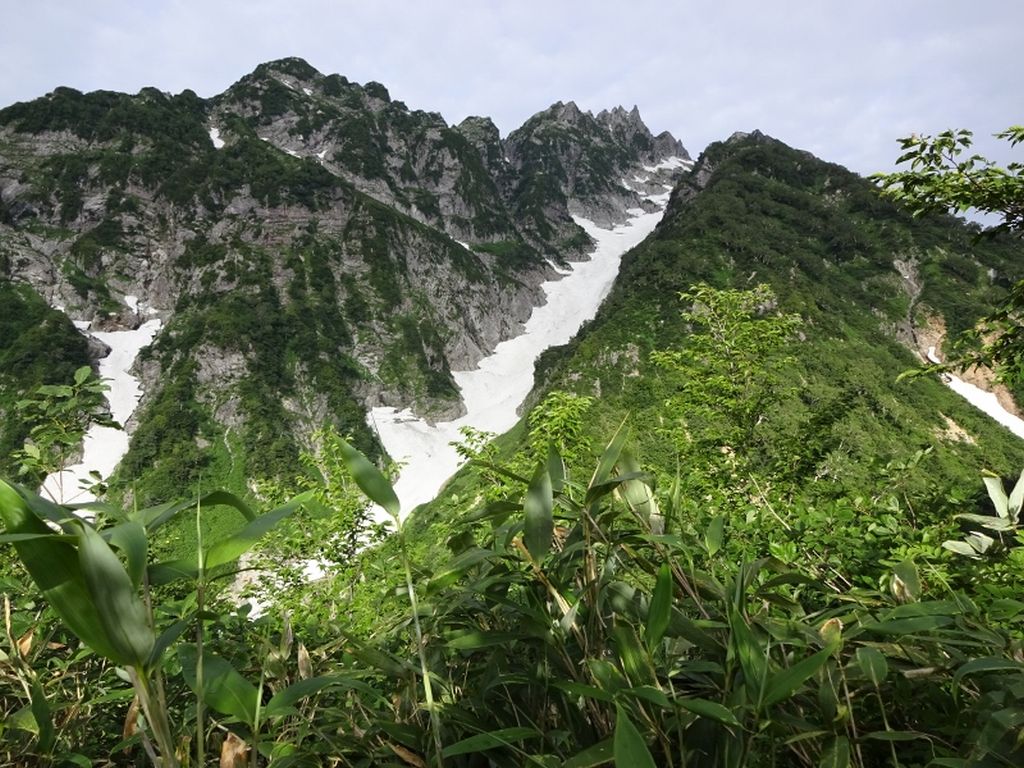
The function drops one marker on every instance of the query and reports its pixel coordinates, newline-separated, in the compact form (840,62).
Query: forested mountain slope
(873,287)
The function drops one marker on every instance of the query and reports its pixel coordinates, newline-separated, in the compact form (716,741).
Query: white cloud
(844,81)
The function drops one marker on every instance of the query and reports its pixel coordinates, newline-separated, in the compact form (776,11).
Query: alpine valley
(313,260)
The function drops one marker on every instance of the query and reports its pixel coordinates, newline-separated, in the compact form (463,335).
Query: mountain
(874,287)
(312,246)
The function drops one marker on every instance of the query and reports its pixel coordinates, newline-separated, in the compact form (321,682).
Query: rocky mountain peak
(291,66)
(567,112)
(481,132)
(629,129)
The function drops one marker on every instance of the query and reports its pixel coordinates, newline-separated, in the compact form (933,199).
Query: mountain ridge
(313,246)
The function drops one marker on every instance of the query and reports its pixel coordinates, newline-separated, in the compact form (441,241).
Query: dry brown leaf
(305,664)
(233,752)
(408,756)
(131,721)
(25,643)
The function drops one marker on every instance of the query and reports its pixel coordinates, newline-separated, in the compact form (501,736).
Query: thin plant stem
(200,596)
(428,691)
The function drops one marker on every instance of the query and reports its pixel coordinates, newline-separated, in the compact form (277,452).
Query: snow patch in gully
(104,447)
(493,392)
(984,401)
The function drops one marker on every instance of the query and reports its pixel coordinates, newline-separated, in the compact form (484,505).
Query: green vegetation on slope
(825,242)
(38,345)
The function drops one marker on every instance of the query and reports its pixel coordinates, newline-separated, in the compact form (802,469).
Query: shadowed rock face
(312,246)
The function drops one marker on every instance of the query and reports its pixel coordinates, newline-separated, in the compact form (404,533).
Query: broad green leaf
(961,548)
(873,664)
(629,747)
(714,535)
(660,611)
(370,480)
(784,683)
(236,545)
(224,690)
(1016,499)
(591,757)
(12,538)
(131,539)
(54,567)
(997,493)
(556,470)
(636,493)
(909,583)
(650,694)
(607,675)
(484,741)
(283,702)
(711,710)
(118,606)
(165,573)
(164,641)
(495,510)
(46,510)
(539,506)
(987,664)
(988,521)
(44,721)
(599,490)
(632,655)
(458,566)
(82,374)
(610,457)
(837,754)
(895,735)
(475,639)
(908,626)
(583,690)
(749,651)
(154,517)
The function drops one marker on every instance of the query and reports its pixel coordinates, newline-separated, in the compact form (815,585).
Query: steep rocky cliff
(313,246)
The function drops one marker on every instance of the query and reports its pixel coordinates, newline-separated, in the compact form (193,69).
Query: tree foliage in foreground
(579,616)
(942,179)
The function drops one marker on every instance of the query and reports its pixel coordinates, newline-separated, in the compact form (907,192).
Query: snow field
(104,447)
(493,392)
(984,401)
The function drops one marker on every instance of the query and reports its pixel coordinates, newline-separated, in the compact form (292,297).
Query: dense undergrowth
(560,605)
(723,535)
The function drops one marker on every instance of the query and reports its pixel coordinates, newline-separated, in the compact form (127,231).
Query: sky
(843,80)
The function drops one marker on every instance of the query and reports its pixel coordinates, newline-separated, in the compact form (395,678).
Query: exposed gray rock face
(370,244)
(599,166)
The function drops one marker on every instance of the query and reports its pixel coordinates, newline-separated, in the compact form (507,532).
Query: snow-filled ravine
(493,392)
(984,401)
(104,447)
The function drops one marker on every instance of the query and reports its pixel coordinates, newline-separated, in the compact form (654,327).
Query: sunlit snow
(494,391)
(104,447)
(669,162)
(986,402)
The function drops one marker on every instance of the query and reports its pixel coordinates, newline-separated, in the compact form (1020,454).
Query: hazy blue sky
(842,80)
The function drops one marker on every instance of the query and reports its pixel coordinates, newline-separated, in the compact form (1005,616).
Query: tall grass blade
(539,508)
(54,567)
(660,612)
(629,747)
(370,480)
(119,607)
